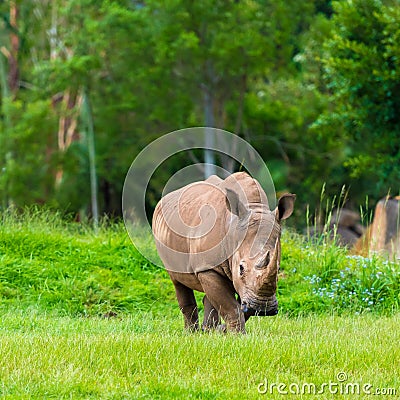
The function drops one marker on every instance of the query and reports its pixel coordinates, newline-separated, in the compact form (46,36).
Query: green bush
(323,277)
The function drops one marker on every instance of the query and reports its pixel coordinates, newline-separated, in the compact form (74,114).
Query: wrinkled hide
(220,237)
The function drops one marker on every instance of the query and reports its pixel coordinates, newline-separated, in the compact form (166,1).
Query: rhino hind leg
(211,316)
(221,293)
(188,306)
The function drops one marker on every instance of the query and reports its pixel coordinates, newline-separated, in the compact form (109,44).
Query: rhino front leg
(221,293)
(247,314)
(188,305)
(211,316)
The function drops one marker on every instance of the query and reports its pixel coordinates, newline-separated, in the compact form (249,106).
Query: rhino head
(256,259)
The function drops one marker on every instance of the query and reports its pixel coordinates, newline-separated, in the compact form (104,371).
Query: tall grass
(321,276)
(327,278)
(67,267)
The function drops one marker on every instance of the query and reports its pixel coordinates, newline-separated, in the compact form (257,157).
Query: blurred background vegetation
(313,85)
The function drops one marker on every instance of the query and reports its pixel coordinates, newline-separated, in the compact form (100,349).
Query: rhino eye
(267,259)
(241,269)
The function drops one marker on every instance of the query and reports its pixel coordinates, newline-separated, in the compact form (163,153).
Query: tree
(212,50)
(281,108)
(362,71)
(251,67)
(25,120)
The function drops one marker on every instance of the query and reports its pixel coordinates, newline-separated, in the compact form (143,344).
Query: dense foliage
(313,85)
(362,70)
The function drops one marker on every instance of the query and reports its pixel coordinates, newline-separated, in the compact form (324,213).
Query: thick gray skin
(242,284)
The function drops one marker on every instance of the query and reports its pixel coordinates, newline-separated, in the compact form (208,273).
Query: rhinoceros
(383,235)
(220,237)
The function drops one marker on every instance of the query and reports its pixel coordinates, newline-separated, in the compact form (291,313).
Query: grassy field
(60,282)
(139,356)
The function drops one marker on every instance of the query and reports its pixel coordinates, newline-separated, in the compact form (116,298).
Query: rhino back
(187,224)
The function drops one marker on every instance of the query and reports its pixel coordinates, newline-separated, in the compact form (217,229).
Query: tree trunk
(9,87)
(88,118)
(230,164)
(209,155)
(13,69)
(4,135)
(67,124)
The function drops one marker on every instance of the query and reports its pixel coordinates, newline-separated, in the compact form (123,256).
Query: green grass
(66,267)
(59,281)
(140,356)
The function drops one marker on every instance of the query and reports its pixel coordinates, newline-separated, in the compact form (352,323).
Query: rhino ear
(285,206)
(234,205)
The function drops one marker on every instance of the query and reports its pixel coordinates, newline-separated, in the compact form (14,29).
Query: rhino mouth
(261,308)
